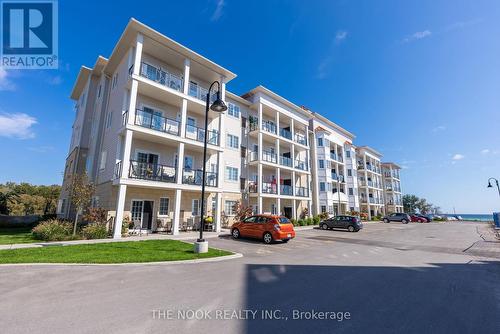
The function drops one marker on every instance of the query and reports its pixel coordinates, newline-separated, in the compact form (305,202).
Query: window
(99,91)
(137,210)
(115,79)
(233,110)
(320,142)
(233,141)
(195,207)
(351,208)
(351,191)
(349,172)
(321,164)
(323,208)
(62,209)
(229,208)
(104,156)
(231,173)
(94,203)
(322,186)
(108,119)
(348,153)
(164,202)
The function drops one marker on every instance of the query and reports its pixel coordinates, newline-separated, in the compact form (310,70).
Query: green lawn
(110,252)
(19,235)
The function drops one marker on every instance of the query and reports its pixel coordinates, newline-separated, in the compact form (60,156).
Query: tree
(241,211)
(424,207)
(410,203)
(81,195)
(25,198)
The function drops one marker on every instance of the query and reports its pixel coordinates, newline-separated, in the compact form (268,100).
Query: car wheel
(235,233)
(404,221)
(268,238)
(386,220)
(351,228)
(324,226)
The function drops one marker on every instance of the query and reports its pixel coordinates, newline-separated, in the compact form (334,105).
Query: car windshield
(284,220)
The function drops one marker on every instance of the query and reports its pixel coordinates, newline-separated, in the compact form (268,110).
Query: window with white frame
(323,208)
(195,207)
(231,173)
(233,110)
(321,163)
(351,191)
(229,208)
(109,118)
(164,203)
(322,186)
(104,156)
(348,153)
(320,142)
(233,141)
(349,172)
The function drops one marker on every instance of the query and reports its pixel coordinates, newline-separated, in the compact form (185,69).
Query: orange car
(269,228)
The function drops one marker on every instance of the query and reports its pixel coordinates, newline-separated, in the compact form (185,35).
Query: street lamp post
(496,181)
(201,246)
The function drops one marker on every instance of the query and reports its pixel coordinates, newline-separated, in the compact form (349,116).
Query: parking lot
(436,277)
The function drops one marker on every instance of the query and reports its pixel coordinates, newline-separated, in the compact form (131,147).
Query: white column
(260,133)
(259,178)
(132,102)
(180,163)
(187,68)
(127,148)
(259,204)
(138,54)
(218,209)
(221,171)
(278,205)
(292,128)
(278,178)
(120,206)
(294,211)
(183,118)
(177,212)
(136,71)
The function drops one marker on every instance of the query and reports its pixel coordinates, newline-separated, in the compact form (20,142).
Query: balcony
(151,172)
(286,190)
(154,121)
(302,192)
(269,126)
(286,161)
(302,165)
(333,156)
(198,134)
(301,138)
(200,92)
(270,157)
(252,187)
(161,76)
(269,188)
(286,134)
(195,176)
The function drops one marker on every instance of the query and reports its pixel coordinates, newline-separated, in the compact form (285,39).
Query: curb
(210,259)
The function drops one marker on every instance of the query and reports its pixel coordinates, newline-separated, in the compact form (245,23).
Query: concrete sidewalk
(193,235)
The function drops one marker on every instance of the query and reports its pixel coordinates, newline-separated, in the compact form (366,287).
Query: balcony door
(146,164)
(142,211)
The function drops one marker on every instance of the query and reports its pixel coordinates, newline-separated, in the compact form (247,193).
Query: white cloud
(42,149)
(5,83)
(218,11)
(458,156)
(17,125)
(439,128)
(340,36)
(54,81)
(416,36)
(485,151)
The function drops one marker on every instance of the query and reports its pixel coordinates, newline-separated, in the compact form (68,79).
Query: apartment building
(371,193)
(392,187)
(335,183)
(139,134)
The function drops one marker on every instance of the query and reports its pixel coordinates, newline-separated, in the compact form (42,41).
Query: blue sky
(417,80)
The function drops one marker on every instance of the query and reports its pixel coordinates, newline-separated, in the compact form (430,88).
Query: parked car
(426,217)
(269,228)
(397,217)
(418,219)
(351,223)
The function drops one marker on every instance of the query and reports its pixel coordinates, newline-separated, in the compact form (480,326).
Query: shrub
(95,215)
(309,221)
(125,226)
(316,220)
(95,231)
(363,216)
(302,222)
(323,215)
(53,230)
(294,222)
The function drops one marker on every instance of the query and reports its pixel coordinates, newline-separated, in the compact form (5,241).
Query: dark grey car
(397,217)
(351,223)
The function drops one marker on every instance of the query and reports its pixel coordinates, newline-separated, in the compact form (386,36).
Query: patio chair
(137,227)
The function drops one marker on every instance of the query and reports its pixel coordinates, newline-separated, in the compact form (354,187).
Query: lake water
(467,216)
